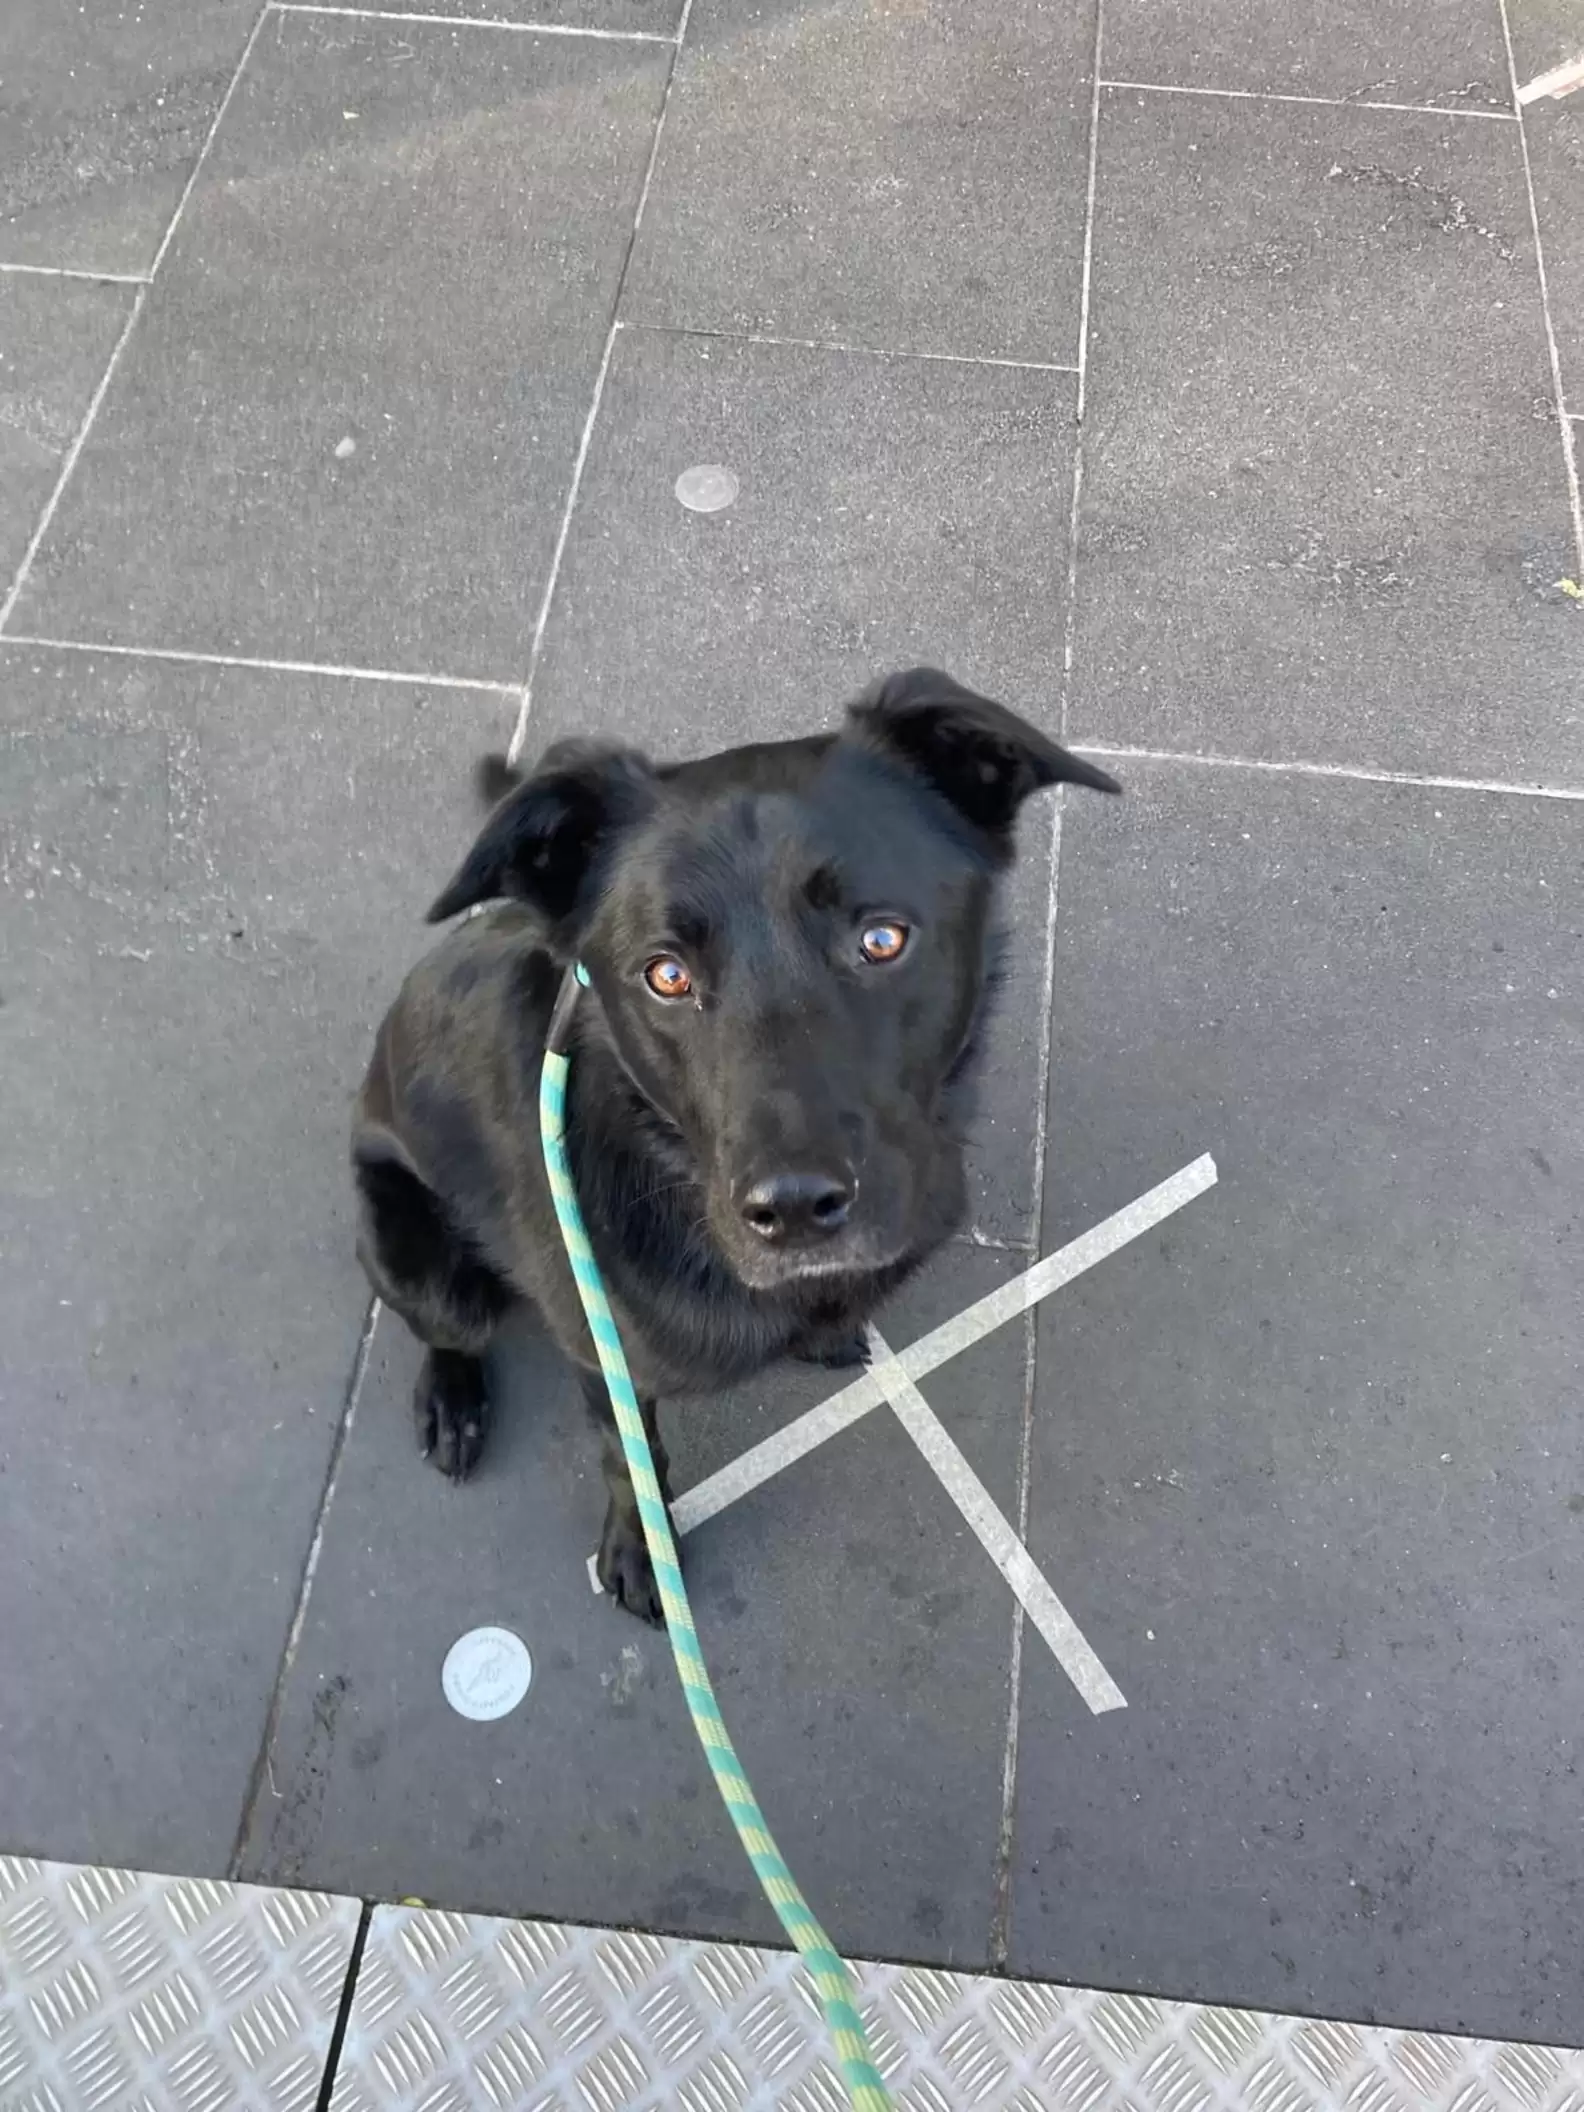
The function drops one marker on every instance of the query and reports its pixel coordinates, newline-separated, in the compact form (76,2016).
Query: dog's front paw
(451,1411)
(835,1352)
(624,1568)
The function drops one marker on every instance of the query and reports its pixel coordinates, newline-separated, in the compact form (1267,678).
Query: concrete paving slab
(103,111)
(1313,1449)
(1352,50)
(1556,160)
(56,336)
(208,887)
(857,1635)
(905,176)
(344,429)
(888,511)
(1325,507)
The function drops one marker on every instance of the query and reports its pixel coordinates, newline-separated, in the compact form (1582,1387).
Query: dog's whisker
(649,1195)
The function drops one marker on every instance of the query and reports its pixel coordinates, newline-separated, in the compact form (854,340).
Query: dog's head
(789,946)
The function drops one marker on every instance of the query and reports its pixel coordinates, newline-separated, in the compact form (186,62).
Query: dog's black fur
(760,1159)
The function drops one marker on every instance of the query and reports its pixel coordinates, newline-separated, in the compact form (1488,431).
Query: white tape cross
(744,1474)
(893,1377)
(1067,1640)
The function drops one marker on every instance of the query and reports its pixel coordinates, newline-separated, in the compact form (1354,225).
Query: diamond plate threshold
(126,1993)
(453,2012)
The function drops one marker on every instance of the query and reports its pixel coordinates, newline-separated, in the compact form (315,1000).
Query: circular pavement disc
(706,488)
(486,1673)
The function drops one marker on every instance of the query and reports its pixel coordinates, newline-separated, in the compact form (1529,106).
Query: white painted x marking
(893,1378)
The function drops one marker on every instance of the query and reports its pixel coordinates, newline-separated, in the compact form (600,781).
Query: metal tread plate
(122,1992)
(455,2012)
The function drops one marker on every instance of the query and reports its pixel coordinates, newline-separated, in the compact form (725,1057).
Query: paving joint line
(999,1942)
(1108,751)
(531,29)
(836,344)
(261,1771)
(139,298)
(72,271)
(1085,295)
(1318,102)
(1348,773)
(184,658)
(1564,422)
(1000,1934)
(586,438)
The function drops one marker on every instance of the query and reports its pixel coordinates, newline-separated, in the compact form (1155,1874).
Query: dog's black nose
(788,1207)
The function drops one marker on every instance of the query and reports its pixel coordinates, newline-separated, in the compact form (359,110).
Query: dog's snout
(792,1208)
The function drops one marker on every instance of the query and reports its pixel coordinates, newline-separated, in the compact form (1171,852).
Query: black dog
(790,948)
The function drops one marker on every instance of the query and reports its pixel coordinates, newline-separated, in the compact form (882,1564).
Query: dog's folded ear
(543,841)
(981,757)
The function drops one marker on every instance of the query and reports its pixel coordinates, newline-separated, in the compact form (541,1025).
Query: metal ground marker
(893,1379)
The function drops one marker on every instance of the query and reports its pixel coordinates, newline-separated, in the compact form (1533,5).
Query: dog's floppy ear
(980,756)
(542,840)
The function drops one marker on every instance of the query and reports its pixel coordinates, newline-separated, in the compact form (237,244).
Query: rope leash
(865,2089)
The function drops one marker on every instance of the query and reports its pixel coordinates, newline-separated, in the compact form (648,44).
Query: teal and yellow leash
(864,2087)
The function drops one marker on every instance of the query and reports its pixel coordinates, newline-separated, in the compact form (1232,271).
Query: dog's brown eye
(883,942)
(667,977)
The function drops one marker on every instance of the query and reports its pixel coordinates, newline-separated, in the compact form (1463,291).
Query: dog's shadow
(537,1418)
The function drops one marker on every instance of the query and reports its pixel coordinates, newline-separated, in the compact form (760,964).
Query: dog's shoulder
(497,956)
(481,997)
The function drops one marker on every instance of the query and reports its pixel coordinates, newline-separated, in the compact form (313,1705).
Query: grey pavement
(1207,382)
